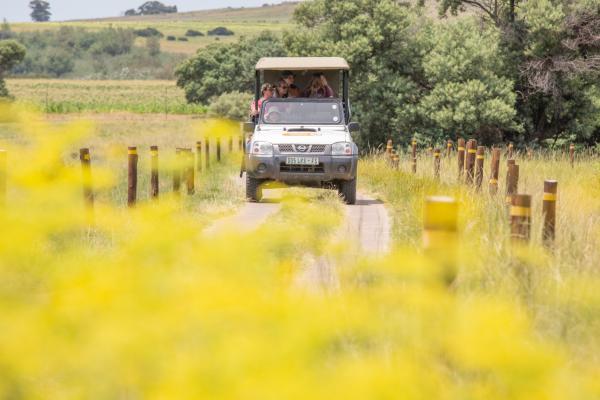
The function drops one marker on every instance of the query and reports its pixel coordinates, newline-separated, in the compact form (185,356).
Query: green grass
(75,96)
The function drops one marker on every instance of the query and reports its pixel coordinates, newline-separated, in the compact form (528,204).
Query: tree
(469,92)
(11,53)
(554,49)
(384,43)
(155,7)
(40,10)
(220,68)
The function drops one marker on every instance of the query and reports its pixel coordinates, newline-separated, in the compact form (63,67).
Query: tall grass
(556,286)
(143,304)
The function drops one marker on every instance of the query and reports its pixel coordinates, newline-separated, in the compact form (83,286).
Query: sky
(18,10)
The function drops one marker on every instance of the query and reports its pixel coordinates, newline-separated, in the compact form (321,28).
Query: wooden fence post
(448,148)
(86,171)
(479,157)
(240,143)
(440,221)
(388,148)
(520,218)
(461,158)
(572,154)
(199,156)
(512,180)
(132,176)
(218,149)
(154,172)
(207,152)
(188,170)
(3,173)
(395,160)
(436,163)
(549,210)
(230,145)
(177,171)
(510,151)
(470,164)
(414,156)
(495,166)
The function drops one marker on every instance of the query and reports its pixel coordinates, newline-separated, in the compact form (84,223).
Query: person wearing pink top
(266,92)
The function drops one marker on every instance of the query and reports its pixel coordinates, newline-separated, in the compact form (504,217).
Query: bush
(148,32)
(220,31)
(231,105)
(182,39)
(193,33)
(171,38)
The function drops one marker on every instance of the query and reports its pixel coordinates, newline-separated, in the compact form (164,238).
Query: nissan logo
(301,148)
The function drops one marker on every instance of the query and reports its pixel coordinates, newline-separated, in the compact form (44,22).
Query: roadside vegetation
(154,308)
(554,286)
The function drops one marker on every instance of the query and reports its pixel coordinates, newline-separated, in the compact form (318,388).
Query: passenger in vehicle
(282,89)
(294,91)
(266,91)
(318,87)
(288,77)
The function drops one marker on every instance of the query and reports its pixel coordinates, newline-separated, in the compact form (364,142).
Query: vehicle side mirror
(249,127)
(353,127)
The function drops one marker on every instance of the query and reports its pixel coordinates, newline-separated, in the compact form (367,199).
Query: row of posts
(470,160)
(186,160)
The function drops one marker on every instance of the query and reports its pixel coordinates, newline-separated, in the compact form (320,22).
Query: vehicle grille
(307,169)
(286,148)
(291,148)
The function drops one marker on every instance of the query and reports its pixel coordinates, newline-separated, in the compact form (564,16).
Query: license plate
(302,160)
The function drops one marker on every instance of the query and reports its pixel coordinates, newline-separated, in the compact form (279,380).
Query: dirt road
(367,223)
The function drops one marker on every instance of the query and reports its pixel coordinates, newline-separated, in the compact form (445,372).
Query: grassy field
(558,286)
(76,96)
(242,21)
(153,307)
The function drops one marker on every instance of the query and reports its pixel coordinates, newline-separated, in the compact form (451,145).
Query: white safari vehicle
(302,141)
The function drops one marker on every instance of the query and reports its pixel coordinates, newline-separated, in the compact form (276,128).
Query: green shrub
(182,39)
(220,31)
(192,33)
(171,38)
(231,105)
(148,32)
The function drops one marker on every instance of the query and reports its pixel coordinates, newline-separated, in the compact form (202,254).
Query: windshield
(315,112)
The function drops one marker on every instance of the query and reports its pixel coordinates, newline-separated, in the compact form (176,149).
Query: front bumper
(330,168)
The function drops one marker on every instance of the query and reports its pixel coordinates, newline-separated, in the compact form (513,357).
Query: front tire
(347,191)
(253,189)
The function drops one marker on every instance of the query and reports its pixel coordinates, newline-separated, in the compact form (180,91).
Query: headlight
(341,149)
(262,148)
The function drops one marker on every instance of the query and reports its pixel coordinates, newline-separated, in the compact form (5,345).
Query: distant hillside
(247,21)
(278,12)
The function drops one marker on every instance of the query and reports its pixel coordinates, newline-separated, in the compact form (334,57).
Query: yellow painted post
(132,157)
(3,170)
(520,218)
(86,171)
(461,158)
(549,210)
(154,172)
(440,223)
(436,163)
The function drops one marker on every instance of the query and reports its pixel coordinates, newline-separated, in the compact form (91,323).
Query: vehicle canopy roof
(301,63)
